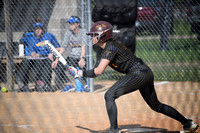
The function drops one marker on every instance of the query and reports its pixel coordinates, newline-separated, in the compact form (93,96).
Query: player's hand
(50,56)
(35,55)
(81,63)
(79,73)
(54,64)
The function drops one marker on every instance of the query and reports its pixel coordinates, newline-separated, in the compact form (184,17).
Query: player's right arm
(35,55)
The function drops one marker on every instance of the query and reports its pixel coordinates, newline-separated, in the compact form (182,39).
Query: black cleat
(115,131)
(190,126)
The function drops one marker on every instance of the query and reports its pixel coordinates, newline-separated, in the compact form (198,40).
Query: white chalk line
(161,83)
(187,93)
(22,126)
(180,91)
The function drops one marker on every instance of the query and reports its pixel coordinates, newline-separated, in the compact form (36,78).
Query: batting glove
(79,73)
(72,71)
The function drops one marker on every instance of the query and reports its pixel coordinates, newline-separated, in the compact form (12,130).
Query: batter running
(138,77)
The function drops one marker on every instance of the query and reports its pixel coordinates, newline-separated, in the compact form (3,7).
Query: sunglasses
(36,28)
(71,23)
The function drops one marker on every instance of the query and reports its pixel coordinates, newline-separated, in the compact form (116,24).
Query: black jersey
(121,58)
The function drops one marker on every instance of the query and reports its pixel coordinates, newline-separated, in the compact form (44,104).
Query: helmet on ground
(38,25)
(74,19)
(102,29)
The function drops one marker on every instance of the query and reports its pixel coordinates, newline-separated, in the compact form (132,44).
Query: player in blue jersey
(41,59)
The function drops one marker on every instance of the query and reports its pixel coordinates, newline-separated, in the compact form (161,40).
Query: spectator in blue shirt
(41,59)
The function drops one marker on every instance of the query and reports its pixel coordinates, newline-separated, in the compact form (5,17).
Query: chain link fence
(16,31)
(167,37)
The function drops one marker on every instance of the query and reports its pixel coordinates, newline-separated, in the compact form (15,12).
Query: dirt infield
(56,112)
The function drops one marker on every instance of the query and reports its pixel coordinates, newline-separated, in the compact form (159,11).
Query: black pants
(140,77)
(41,70)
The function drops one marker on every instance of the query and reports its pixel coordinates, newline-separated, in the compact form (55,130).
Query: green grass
(181,27)
(181,50)
(177,73)
(179,63)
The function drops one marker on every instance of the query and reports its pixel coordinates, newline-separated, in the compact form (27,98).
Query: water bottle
(21,50)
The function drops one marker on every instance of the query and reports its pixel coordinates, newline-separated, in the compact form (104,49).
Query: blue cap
(38,24)
(29,34)
(74,20)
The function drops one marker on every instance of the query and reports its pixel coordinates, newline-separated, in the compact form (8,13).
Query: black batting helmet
(102,29)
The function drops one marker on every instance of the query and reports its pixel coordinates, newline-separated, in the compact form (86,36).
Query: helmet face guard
(101,29)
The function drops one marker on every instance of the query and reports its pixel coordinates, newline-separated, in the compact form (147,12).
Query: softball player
(138,77)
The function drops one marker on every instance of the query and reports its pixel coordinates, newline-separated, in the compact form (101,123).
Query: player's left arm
(106,58)
(96,71)
(101,67)
(82,52)
(84,42)
(81,62)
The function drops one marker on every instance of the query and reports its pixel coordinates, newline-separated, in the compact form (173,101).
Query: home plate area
(60,112)
(136,129)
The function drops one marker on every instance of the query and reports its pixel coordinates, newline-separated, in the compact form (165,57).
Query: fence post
(91,84)
(166,24)
(9,46)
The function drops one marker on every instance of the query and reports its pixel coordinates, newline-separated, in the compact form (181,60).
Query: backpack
(119,12)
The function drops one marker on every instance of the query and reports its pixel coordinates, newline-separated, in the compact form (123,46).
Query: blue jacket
(37,45)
